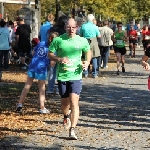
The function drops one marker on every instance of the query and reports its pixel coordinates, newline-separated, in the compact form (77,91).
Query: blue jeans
(51,78)
(95,67)
(104,50)
(4,55)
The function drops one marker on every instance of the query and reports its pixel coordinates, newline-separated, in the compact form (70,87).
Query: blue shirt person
(89,30)
(43,31)
(40,61)
(37,70)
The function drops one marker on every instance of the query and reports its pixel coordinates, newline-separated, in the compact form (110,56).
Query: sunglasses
(119,26)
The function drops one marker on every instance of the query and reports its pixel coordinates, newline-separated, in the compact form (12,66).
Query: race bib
(119,42)
(70,66)
(147,37)
(132,36)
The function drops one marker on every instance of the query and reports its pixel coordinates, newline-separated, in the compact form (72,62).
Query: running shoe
(72,135)
(44,111)
(118,72)
(130,53)
(123,69)
(19,108)
(57,91)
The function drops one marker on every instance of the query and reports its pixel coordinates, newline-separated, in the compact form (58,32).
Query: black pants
(4,59)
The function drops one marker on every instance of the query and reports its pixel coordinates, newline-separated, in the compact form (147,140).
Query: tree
(112,9)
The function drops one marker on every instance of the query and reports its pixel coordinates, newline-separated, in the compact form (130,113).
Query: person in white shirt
(104,43)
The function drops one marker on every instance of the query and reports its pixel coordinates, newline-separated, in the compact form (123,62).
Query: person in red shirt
(143,36)
(132,40)
(147,37)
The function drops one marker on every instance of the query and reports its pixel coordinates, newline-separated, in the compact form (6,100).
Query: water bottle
(149,82)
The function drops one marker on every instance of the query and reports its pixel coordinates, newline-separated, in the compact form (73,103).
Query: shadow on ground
(11,144)
(123,106)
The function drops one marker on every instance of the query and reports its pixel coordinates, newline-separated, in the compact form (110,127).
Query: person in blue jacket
(37,70)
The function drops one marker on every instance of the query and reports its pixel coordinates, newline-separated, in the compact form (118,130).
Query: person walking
(23,41)
(104,43)
(45,27)
(5,41)
(90,31)
(37,70)
(69,47)
(119,37)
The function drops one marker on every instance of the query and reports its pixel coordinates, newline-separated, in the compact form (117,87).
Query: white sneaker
(57,92)
(44,111)
(19,108)
(106,67)
(72,135)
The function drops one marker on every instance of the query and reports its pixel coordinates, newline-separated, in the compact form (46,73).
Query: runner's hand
(63,60)
(85,65)
(146,66)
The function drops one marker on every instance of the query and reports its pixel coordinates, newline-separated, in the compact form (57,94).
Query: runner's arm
(113,37)
(88,57)
(53,57)
(125,37)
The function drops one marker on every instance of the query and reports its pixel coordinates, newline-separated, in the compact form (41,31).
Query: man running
(69,47)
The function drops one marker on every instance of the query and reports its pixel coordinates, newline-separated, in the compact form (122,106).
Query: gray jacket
(106,34)
(94,47)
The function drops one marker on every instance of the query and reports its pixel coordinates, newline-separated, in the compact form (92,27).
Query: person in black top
(23,41)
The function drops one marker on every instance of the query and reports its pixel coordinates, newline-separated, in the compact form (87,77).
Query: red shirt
(147,35)
(132,34)
(144,33)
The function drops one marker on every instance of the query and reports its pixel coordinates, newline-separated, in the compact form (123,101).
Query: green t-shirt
(71,48)
(119,43)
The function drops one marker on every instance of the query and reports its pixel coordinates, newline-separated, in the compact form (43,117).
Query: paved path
(115,115)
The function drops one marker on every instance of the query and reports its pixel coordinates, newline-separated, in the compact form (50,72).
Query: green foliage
(113,9)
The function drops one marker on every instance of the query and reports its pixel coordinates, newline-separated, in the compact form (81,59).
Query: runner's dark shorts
(121,50)
(147,52)
(67,87)
(145,43)
(133,41)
